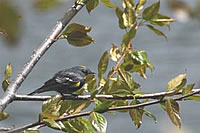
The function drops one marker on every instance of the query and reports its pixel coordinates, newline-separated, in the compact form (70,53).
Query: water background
(172,57)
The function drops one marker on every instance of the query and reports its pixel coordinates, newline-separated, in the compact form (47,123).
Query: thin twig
(8,96)
(180,98)
(121,58)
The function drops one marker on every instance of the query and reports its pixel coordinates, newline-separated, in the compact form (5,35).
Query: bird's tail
(39,90)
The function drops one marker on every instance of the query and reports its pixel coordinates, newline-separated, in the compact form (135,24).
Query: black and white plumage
(66,81)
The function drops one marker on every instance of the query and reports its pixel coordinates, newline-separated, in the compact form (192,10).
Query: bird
(65,81)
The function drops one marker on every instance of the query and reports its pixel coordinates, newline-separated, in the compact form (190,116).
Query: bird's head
(84,70)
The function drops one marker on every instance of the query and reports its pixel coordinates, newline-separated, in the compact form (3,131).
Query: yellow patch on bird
(77,84)
(83,66)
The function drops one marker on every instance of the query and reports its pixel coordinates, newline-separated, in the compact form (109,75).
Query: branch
(88,97)
(8,96)
(180,98)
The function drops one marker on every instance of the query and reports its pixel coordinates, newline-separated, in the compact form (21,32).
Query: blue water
(170,58)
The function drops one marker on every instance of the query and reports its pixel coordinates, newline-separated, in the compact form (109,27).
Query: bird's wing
(64,78)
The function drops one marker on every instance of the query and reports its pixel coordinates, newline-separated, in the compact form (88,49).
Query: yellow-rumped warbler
(66,81)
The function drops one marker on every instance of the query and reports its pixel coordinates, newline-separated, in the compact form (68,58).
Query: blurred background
(180,53)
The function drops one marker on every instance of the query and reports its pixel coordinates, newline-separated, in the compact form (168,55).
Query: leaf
(150,115)
(5,84)
(151,11)
(32,131)
(103,64)
(78,125)
(8,71)
(74,27)
(140,5)
(79,39)
(53,124)
(127,79)
(108,4)
(175,82)
(119,14)
(140,57)
(173,111)
(136,114)
(51,107)
(114,53)
(129,35)
(188,89)
(102,107)
(99,122)
(3,116)
(128,16)
(161,20)
(156,31)
(73,106)
(91,4)
(194,98)
(76,35)
(92,85)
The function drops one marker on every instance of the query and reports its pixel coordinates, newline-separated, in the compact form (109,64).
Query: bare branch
(88,97)
(8,96)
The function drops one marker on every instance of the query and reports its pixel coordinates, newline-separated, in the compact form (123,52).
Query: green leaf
(176,82)
(8,71)
(79,39)
(108,4)
(73,106)
(5,84)
(151,11)
(140,57)
(194,98)
(78,125)
(32,131)
(76,35)
(53,124)
(51,107)
(102,107)
(136,114)
(99,122)
(128,16)
(129,35)
(173,111)
(114,53)
(76,28)
(161,20)
(92,85)
(127,79)
(156,31)
(103,64)
(140,5)
(137,61)
(91,4)
(150,115)
(9,21)
(188,89)
(119,14)
(3,116)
